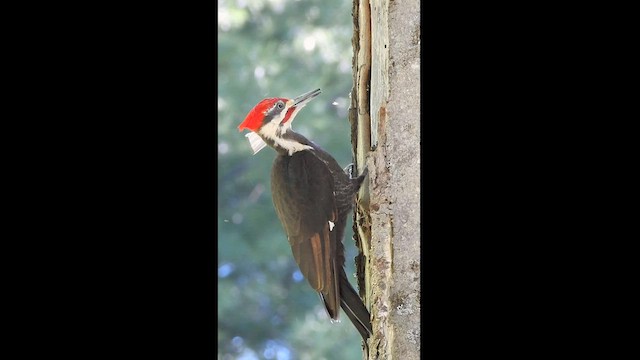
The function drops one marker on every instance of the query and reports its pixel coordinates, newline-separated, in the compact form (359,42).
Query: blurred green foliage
(269,48)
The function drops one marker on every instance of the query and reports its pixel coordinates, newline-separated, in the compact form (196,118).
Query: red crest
(254,118)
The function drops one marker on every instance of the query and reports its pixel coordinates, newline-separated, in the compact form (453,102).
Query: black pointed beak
(303,99)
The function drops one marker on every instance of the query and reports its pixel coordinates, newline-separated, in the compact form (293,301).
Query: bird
(312,196)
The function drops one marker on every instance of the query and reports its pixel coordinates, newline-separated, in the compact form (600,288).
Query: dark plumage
(313,197)
(310,189)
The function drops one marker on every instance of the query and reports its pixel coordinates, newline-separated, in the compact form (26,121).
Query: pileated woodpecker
(312,196)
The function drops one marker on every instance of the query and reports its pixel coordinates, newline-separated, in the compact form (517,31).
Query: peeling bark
(385,121)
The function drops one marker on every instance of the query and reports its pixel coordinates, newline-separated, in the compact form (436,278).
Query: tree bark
(385,120)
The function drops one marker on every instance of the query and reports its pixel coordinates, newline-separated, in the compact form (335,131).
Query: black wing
(303,196)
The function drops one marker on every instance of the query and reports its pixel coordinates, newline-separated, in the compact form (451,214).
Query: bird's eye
(280,105)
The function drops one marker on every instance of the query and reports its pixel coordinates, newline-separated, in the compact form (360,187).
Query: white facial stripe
(287,125)
(272,130)
(292,146)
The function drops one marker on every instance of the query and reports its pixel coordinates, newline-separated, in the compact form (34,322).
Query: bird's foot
(350,169)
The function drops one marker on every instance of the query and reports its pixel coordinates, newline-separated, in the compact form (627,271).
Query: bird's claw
(349,169)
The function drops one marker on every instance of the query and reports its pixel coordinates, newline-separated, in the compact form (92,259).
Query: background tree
(266,309)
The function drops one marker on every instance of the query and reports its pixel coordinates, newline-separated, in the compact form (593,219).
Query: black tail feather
(353,307)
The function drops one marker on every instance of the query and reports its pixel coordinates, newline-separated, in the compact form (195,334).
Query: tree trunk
(385,120)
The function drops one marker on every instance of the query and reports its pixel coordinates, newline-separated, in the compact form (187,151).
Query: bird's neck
(287,142)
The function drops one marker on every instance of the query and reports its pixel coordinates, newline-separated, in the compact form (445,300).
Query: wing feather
(303,196)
